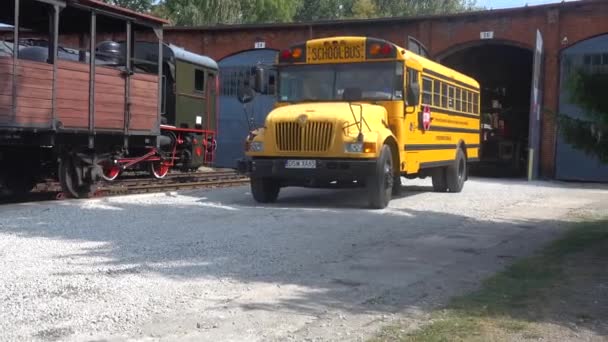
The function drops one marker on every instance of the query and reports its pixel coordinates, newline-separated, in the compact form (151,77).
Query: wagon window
(163,104)
(199,80)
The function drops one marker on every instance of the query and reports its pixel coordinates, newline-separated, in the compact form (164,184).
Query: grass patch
(508,301)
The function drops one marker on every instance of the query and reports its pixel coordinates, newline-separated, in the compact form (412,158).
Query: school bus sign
(336,51)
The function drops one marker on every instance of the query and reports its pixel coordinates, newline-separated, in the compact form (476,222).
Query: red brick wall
(441,35)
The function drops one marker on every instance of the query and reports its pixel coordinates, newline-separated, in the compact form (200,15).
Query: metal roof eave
(120,11)
(186,56)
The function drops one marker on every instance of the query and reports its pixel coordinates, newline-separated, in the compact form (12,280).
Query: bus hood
(337,112)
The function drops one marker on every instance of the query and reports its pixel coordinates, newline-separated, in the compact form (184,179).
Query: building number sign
(487,35)
(260,45)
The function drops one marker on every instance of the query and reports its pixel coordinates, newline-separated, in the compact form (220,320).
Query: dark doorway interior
(505,75)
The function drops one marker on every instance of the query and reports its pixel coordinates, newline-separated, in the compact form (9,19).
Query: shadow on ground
(346,258)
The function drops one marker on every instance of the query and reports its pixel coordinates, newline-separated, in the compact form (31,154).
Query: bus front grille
(312,137)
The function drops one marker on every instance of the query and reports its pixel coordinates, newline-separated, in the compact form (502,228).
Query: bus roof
(426,63)
(442,69)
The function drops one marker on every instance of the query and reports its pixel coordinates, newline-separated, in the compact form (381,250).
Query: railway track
(174,182)
(51,190)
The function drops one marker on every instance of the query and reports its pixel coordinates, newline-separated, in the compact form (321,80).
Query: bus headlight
(353,148)
(360,148)
(256,146)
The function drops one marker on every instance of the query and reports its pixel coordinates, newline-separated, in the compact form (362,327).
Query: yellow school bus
(362,112)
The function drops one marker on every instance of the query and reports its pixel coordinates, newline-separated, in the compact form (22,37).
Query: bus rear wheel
(440,182)
(265,190)
(380,184)
(456,173)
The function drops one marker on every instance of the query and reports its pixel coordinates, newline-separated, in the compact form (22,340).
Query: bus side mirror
(352,94)
(413,88)
(413,94)
(244,93)
(259,79)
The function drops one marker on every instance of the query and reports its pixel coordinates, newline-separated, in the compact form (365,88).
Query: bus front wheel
(380,184)
(265,190)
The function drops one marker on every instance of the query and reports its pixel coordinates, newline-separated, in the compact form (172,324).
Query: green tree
(211,12)
(313,10)
(136,5)
(203,12)
(392,8)
(363,9)
(590,135)
(264,11)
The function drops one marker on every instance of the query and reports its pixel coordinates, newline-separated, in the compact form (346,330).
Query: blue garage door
(571,163)
(233,121)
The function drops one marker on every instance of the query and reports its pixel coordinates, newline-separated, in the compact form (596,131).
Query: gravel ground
(213,265)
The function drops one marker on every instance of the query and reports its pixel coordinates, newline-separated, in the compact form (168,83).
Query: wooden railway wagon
(88,113)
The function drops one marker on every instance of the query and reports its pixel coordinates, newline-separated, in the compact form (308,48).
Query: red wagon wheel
(110,171)
(159,169)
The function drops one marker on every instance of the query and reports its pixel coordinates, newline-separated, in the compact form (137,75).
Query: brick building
(475,43)
(496,47)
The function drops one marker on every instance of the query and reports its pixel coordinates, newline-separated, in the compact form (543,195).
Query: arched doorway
(504,71)
(590,56)
(233,121)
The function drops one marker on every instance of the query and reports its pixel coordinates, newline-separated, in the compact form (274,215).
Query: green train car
(189,99)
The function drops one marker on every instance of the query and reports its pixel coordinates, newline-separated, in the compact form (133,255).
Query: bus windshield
(377,81)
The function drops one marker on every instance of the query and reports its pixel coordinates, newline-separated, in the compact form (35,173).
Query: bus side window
(436,93)
(451,97)
(476,103)
(458,99)
(427,91)
(444,95)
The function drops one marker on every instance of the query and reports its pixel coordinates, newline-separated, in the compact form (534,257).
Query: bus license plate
(301,164)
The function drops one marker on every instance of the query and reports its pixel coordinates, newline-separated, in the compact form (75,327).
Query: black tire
(69,180)
(265,190)
(397,185)
(456,173)
(440,183)
(380,184)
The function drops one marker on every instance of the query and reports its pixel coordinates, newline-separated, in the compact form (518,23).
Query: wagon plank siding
(72,94)
(144,102)
(6,90)
(34,94)
(109,98)
(34,98)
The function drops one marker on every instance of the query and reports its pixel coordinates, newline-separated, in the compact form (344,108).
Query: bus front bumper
(308,169)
